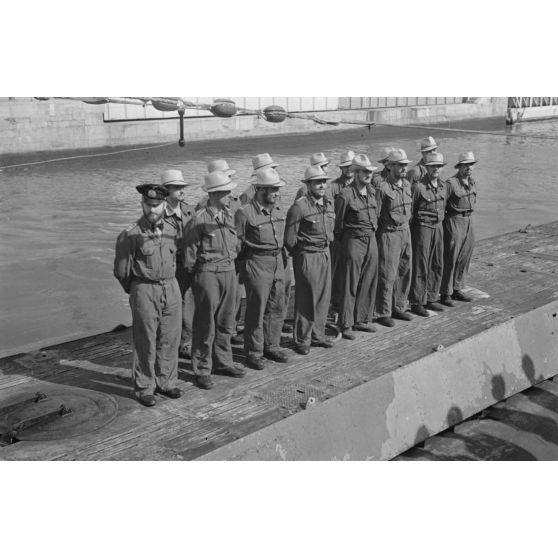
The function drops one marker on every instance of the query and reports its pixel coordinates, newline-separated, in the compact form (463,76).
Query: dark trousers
(155,335)
(185,283)
(336,273)
(312,271)
(264,279)
(459,241)
(394,271)
(357,274)
(287,285)
(428,263)
(214,295)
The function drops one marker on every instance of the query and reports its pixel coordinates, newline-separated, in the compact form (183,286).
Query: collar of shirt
(315,202)
(394,184)
(176,211)
(261,208)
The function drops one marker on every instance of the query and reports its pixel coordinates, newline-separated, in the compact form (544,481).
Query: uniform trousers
(394,270)
(358,276)
(264,280)
(428,263)
(336,274)
(184,279)
(312,271)
(214,319)
(459,241)
(156,315)
(287,285)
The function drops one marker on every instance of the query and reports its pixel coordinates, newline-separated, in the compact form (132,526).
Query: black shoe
(302,349)
(173,393)
(366,327)
(205,382)
(147,400)
(287,328)
(348,334)
(276,355)
(236,371)
(184,352)
(237,339)
(434,306)
(460,295)
(326,344)
(419,310)
(447,301)
(386,321)
(405,316)
(255,362)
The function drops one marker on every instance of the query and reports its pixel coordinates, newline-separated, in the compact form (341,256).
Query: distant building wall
(29,125)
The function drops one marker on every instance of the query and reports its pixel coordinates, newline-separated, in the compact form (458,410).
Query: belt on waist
(427,221)
(392,228)
(153,281)
(209,266)
(459,213)
(256,252)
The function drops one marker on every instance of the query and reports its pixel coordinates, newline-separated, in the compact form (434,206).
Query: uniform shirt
(147,252)
(337,185)
(309,226)
(429,202)
(394,204)
(180,216)
(379,176)
(210,242)
(355,213)
(332,189)
(248,195)
(462,197)
(260,229)
(418,172)
(235,204)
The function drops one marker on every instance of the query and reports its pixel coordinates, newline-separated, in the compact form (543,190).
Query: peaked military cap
(152,191)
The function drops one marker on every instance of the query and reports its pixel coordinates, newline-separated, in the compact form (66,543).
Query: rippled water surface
(60,220)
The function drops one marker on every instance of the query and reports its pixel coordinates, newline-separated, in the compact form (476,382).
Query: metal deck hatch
(56,414)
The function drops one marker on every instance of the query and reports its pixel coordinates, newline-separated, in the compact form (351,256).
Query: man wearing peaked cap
(427,145)
(308,235)
(427,235)
(178,212)
(357,271)
(260,227)
(381,175)
(393,198)
(459,236)
(210,248)
(145,266)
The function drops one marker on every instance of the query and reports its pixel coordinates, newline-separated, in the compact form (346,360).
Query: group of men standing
(362,246)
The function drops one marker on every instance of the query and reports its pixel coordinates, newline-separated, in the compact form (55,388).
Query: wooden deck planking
(201,421)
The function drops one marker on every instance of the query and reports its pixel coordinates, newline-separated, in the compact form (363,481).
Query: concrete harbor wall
(392,413)
(28,125)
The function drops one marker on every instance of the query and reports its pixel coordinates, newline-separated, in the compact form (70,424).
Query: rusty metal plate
(63,413)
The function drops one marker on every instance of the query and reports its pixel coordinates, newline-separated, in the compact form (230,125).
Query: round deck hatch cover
(63,413)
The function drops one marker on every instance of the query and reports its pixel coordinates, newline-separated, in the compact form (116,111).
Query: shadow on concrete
(498,387)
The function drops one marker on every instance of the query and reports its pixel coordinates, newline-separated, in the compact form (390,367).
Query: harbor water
(60,219)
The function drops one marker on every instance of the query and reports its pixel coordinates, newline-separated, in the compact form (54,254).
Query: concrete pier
(30,125)
(371,398)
